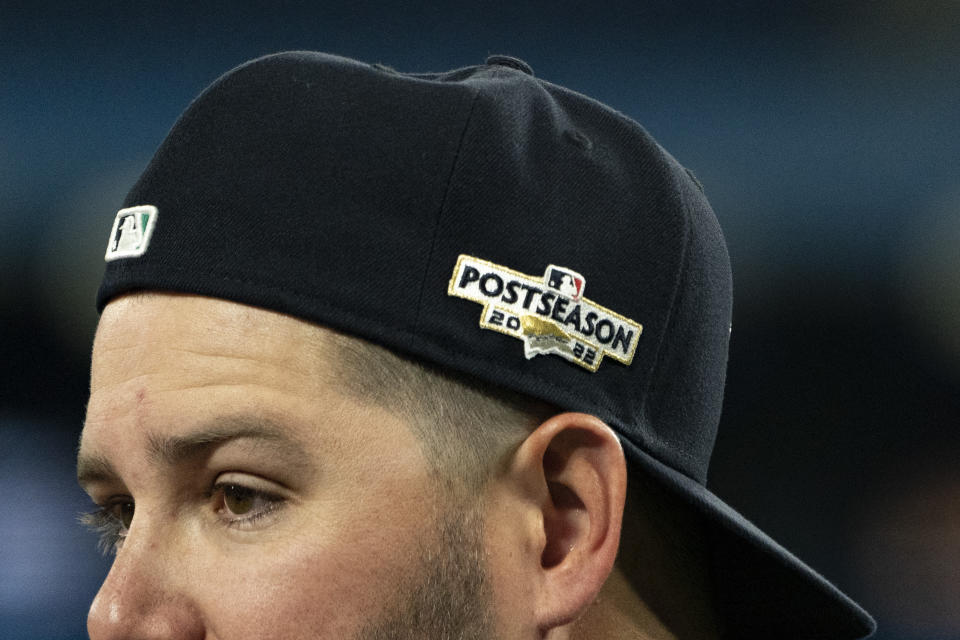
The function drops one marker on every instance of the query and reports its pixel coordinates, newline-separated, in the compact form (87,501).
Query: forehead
(165,328)
(165,362)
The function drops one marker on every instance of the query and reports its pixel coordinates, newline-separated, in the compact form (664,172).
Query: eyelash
(105,522)
(107,525)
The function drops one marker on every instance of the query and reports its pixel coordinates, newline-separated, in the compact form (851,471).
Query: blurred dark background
(827,135)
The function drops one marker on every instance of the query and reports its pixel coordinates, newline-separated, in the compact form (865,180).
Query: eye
(243,506)
(238,500)
(123,512)
(111,522)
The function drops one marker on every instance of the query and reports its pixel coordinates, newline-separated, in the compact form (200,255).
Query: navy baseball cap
(490,223)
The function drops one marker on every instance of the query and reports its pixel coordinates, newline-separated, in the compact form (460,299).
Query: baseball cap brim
(763,590)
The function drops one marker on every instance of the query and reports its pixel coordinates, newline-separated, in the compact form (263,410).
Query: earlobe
(581,464)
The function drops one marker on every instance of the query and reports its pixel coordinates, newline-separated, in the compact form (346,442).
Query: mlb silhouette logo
(132,229)
(569,283)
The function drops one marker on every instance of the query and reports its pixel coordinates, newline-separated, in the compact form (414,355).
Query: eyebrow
(172,451)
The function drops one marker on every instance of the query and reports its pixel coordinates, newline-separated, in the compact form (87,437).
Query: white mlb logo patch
(131,232)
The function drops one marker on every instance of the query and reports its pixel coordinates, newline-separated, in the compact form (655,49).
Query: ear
(575,463)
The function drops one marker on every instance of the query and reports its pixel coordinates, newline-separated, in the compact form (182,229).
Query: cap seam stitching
(675,296)
(443,204)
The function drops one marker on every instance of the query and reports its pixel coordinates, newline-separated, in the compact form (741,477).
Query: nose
(145,597)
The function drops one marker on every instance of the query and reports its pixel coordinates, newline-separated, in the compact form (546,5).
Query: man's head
(278,491)
(326,216)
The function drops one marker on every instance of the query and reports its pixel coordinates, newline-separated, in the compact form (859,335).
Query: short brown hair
(467,427)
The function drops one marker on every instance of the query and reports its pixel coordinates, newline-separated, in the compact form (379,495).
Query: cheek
(303,594)
(326,584)
(513,542)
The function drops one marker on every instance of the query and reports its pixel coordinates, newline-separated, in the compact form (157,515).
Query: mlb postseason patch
(131,232)
(548,313)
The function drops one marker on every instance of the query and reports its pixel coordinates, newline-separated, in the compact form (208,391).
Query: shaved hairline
(465,426)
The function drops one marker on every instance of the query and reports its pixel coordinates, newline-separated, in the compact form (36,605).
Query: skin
(350,536)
